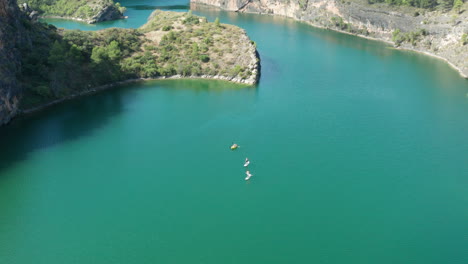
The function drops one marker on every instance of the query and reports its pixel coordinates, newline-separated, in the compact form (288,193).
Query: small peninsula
(90,11)
(46,65)
(435,28)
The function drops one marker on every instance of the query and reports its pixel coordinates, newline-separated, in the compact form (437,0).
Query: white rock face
(378,21)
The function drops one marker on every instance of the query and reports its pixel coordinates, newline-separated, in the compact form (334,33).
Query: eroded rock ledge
(432,33)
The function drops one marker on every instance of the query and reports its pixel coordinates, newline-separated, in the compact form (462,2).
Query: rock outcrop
(12,35)
(65,64)
(433,33)
(198,48)
(108,12)
(89,11)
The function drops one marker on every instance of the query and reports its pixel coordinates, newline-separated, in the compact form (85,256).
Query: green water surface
(359,154)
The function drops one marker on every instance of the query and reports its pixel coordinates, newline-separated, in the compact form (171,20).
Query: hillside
(91,11)
(13,34)
(439,29)
(47,65)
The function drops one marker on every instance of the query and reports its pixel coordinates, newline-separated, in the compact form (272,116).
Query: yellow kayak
(234,146)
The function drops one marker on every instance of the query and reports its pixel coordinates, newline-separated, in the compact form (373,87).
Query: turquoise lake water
(359,154)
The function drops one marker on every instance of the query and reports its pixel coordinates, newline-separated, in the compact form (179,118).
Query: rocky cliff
(431,32)
(106,13)
(12,35)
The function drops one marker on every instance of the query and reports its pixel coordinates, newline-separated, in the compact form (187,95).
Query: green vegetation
(303,4)
(464,39)
(85,9)
(65,62)
(193,46)
(348,27)
(61,64)
(457,5)
(412,37)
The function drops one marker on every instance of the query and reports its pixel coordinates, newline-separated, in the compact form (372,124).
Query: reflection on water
(154,7)
(195,84)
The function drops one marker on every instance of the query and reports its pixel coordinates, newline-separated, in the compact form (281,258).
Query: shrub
(236,70)
(457,5)
(191,20)
(204,58)
(397,37)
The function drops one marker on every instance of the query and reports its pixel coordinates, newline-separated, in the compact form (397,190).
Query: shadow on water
(85,116)
(67,121)
(197,85)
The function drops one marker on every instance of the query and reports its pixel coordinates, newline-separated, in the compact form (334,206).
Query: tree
(217,24)
(446,4)
(113,51)
(457,5)
(110,52)
(57,54)
(98,55)
(75,54)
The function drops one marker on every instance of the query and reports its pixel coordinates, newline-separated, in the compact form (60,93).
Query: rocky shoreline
(435,33)
(88,21)
(105,13)
(113,85)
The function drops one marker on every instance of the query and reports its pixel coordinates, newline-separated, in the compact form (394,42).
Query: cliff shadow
(57,124)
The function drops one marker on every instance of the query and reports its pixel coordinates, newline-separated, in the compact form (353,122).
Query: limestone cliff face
(442,31)
(12,35)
